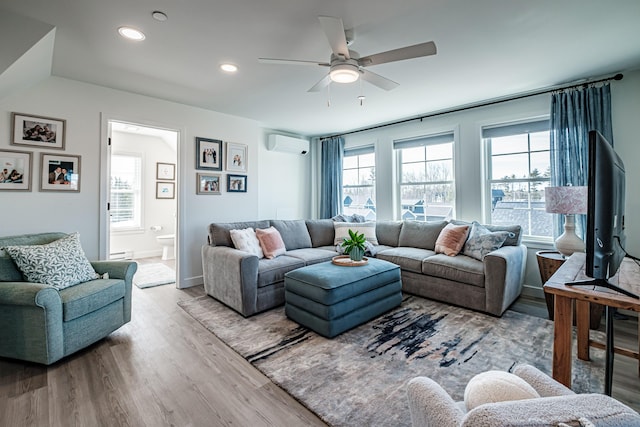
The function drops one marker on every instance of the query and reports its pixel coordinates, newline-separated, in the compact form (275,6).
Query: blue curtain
(331,177)
(574,112)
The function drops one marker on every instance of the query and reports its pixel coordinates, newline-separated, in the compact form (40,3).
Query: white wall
(86,107)
(156,212)
(467,127)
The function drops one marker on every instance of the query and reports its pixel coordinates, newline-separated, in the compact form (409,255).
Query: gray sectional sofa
(250,285)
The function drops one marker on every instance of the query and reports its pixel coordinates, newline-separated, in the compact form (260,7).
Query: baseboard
(533,291)
(190,282)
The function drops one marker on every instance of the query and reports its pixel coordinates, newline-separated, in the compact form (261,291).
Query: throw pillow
(496,386)
(246,240)
(271,242)
(481,241)
(342,231)
(61,263)
(451,239)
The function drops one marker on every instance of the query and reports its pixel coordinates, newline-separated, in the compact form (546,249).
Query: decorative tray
(345,261)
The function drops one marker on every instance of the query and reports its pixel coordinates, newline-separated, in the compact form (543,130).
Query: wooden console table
(572,270)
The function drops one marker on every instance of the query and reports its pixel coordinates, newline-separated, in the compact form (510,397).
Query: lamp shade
(566,200)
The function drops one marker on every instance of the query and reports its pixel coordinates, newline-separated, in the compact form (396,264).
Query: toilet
(168,246)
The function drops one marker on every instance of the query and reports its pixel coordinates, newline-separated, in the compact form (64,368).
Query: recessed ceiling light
(159,16)
(131,33)
(229,68)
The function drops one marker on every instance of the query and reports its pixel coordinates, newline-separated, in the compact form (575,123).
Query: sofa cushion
(388,232)
(409,259)
(321,232)
(419,234)
(496,386)
(342,231)
(219,231)
(271,271)
(451,239)
(312,255)
(271,242)
(512,240)
(246,240)
(91,296)
(481,241)
(61,263)
(458,268)
(294,233)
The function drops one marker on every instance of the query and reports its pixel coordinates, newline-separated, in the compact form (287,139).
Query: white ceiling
(487,49)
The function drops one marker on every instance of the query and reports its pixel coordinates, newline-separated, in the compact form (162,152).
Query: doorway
(142,195)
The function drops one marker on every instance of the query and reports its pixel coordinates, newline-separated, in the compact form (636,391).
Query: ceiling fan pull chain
(329,95)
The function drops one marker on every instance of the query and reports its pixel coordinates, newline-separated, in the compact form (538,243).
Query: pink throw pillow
(271,242)
(452,239)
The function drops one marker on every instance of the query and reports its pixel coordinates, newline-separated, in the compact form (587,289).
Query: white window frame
(511,129)
(138,195)
(425,141)
(356,152)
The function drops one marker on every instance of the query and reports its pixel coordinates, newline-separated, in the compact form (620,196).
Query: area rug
(359,378)
(155,274)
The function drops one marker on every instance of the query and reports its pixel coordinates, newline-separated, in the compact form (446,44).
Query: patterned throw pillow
(342,231)
(60,264)
(481,241)
(246,240)
(271,242)
(451,239)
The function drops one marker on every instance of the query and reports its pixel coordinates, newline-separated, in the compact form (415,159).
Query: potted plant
(354,245)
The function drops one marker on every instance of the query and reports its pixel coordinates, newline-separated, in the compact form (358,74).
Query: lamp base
(568,242)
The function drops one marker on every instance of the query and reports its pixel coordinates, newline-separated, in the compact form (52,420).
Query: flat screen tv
(604,235)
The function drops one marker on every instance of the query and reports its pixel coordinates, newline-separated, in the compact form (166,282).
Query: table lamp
(568,201)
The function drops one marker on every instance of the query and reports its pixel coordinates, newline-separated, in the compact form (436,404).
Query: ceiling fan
(346,66)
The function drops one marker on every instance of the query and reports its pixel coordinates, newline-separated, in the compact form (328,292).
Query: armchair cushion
(496,386)
(61,263)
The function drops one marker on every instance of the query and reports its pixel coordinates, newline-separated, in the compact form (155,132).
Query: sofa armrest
(430,405)
(504,273)
(123,270)
(231,276)
(541,382)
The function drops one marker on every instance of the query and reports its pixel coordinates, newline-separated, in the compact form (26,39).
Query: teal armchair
(42,324)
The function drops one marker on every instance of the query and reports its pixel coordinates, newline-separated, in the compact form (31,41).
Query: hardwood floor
(165,369)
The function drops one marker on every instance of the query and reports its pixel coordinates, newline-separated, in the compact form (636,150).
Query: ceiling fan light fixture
(344,73)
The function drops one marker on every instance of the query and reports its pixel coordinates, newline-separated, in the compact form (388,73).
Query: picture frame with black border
(15,170)
(209,184)
(165,190)
(60,172)
(236,183)
(38,131)
(209,154)
(165,171)
(236,157)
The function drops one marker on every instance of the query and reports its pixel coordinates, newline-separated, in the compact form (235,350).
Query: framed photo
(166,171)
(236,157)
(165,190)
(38,131)
(237,183)
(208,184)
(59,172)
(208,154)
(15,170)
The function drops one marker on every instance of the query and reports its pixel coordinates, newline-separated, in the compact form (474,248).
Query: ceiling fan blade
(409,52)
(321,84)
(292,62)
(378,80)
(334,29)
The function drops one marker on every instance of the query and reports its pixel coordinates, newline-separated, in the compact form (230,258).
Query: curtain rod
(482,104)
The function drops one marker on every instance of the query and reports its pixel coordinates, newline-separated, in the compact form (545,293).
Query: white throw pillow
(246,240)
(342,231)
(496,386)
(61,263)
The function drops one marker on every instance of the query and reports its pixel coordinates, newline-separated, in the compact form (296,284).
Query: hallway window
(126,194)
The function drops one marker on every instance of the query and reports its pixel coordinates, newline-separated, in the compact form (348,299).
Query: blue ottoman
(330,299)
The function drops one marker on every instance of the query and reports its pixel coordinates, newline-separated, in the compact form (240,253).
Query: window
(126,195)
(426,177)
(359,182)
(519,170)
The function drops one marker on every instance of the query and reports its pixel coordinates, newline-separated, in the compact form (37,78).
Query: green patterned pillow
(61,263)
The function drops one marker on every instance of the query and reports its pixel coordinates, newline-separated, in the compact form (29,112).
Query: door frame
(105,168)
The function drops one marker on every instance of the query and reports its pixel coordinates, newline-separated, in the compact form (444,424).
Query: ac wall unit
(287,144)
